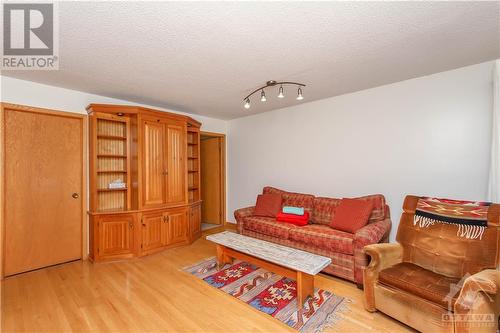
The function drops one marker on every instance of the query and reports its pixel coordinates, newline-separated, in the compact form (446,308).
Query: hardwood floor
(152,294)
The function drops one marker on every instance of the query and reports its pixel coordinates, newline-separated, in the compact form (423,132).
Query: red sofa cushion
(325,208)
(268,205)
(323,237)
(351,215)
(293,219)
(268,226)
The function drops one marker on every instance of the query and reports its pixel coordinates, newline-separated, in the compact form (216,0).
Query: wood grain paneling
(111,128)
(153,231)
(111,201)
(176,163)
(195,221)
(177,226)
(43,168)
(116,236)
(153,162)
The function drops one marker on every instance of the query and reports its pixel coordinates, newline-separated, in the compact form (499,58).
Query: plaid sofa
(345,249)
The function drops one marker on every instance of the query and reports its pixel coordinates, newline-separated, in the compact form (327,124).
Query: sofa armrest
(382,256)
(372,233)
(240,214)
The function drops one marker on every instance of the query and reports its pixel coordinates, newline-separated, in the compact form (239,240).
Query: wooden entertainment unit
(151,158)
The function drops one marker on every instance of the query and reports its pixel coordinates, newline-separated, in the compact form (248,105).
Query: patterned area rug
(272,294)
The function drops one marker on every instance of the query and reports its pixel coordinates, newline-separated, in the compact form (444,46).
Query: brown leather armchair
(434,280)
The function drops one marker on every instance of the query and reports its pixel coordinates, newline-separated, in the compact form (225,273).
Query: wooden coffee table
(292,263)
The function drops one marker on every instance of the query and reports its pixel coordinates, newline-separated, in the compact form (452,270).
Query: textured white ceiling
(203,58)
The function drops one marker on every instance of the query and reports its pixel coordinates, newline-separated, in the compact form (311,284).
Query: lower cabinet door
(115,235)
(153,231)
(195,221)
(177,221)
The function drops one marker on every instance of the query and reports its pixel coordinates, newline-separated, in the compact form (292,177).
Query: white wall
(50,97)
(425,136)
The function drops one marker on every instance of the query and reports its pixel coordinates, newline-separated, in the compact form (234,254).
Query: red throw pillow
(351,215)
(267,205)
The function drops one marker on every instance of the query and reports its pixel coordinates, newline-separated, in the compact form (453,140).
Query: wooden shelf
(111,155)
(111,189)
(114,137)
(112,171)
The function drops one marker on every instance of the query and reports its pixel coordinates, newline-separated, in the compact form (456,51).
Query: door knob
(75,195)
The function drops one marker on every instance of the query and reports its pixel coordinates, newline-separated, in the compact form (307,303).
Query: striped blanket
(470,217)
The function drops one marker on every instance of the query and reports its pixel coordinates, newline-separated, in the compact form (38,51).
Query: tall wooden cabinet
(144,181)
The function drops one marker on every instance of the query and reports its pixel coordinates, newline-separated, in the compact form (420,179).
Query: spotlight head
(263,96)
(281,94)
(299,95)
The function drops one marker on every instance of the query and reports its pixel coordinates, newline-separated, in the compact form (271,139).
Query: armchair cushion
(421,282)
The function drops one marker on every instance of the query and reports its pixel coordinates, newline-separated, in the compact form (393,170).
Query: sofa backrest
(322,209)
(438,247)
(293,199)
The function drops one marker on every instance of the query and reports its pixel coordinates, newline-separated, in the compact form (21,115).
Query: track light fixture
(281,91)
(281,94)
(299,95)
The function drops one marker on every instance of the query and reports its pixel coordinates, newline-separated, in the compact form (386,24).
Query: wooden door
(153,235)
(176,163)
(177,226)
(211,173)
(153,163)
(195,221)
(116,235)
(43,184)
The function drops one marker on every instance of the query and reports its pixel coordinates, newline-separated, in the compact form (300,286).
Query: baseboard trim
(230,226)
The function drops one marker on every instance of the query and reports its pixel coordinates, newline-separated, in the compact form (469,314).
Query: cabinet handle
(165,173)
(75,195)
(131,225)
